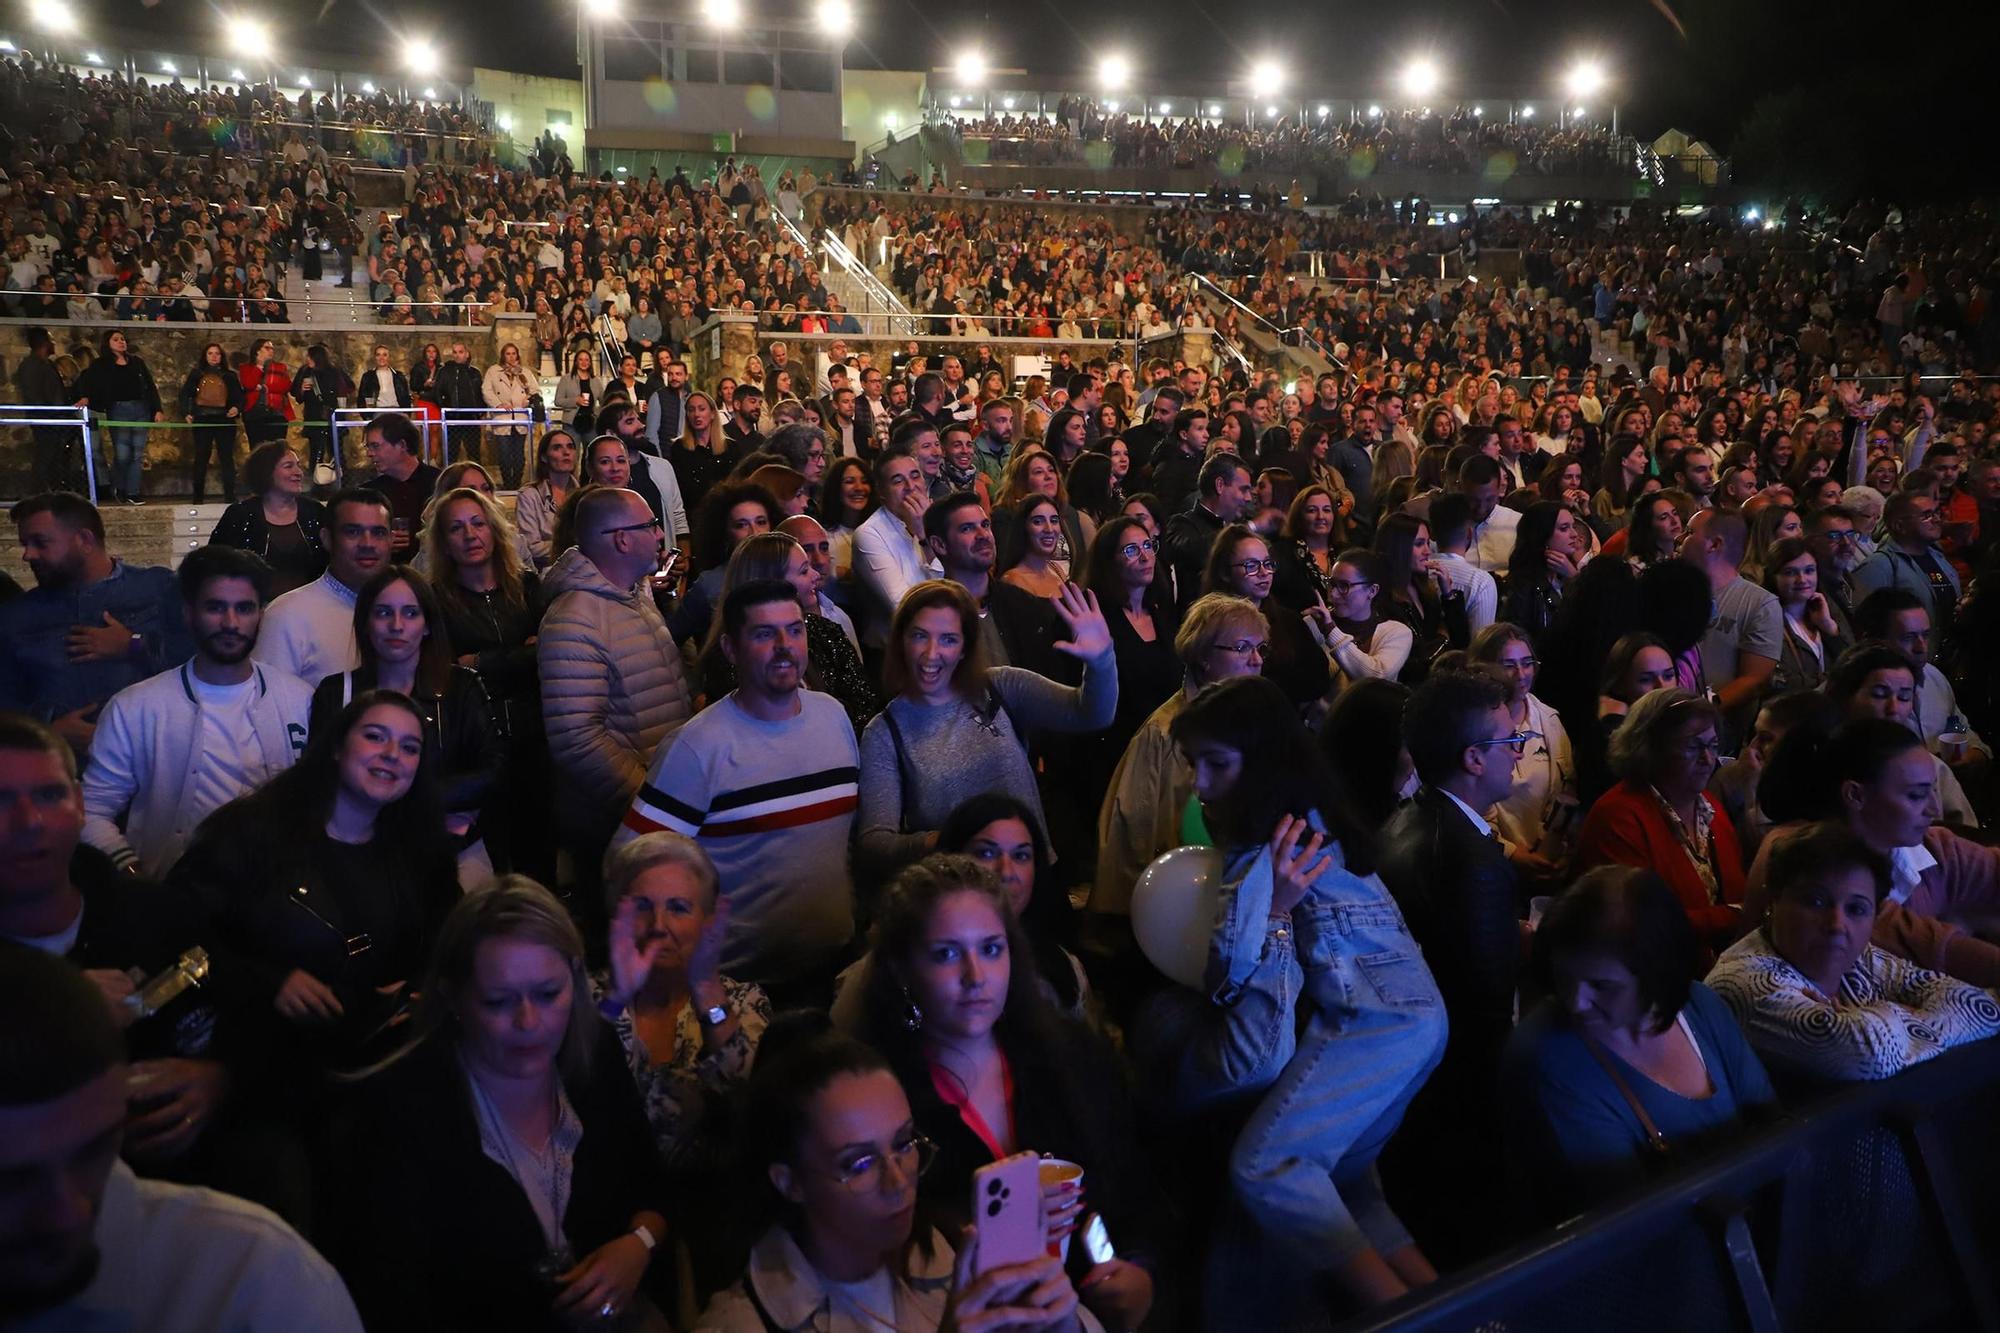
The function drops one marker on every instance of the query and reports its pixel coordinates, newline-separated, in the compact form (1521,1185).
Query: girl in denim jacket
(1302,918)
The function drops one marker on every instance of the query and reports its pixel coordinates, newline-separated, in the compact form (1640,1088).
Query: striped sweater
(773,805)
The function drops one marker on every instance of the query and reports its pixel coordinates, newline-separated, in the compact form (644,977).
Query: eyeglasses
(1130,550)
(1345,586)
(1846,538)
(913,1157)
(633,527)
(1264,566)
(1243,648)
(1519,740)
(1518,664)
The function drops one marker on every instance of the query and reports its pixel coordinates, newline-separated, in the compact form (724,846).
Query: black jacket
(192,384)
(433,1236)
(1185,545)
(459,386)
(1174,474)
(1460,897)
(368,394)
(242,525)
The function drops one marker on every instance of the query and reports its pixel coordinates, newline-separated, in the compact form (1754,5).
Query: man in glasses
(1838,542)
(1441,860)
(1224,494)
(1909,557)
(612,686)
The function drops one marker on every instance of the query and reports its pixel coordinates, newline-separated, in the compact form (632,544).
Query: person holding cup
(989,1070)
(403,478)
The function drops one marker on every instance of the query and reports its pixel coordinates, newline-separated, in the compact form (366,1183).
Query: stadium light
(419,56)
(722,13)
(1271,112)
(1112,105)
(1580,113)
(504,121)
(1479,111)
(238,74)
(835,17)
(6,45)
(1266,77)
(1527,113)
(430,94)
(1166,107)
(1585,78)
(601,9)
(166,67)
(53,15)
(1114,72)
(1421,77)
(250,37)
(1374,112)
(92,58)
(367,87)
(970,67)
(1214,110)
(305,82)
(1007,102)
(1325,111)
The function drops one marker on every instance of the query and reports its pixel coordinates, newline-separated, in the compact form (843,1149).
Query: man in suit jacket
(1440,859)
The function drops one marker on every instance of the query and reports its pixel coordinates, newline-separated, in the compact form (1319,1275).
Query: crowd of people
(1460,140)
(603,910)
(749,840)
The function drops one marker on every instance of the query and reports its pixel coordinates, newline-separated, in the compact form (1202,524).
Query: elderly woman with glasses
(1660,816)
(1534,818)
(1240,564)
(1220,637)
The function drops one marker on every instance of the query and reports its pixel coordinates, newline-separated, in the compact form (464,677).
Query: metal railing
(1870,1209)
(435,434)
(63,418)
(1295,336)
(878,302)
(355,308)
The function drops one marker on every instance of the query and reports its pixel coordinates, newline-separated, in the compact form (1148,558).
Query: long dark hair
(1090,485)
(1528,565)
(828,508)
(1803,776)
(1285,774)
(1362,740)
(434,656)
(712,547)
(1049,921)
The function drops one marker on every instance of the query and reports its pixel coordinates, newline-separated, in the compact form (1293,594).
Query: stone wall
(170,350)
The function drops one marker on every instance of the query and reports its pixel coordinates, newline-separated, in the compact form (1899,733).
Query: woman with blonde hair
(701,456)
(521,1074)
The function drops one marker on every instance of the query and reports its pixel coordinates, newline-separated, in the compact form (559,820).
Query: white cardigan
(142,760)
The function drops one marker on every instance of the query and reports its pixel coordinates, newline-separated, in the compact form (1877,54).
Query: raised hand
(631,962)
(1294,868)
(1089,637)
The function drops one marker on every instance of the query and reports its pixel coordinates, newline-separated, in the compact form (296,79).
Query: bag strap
(1656,1142)
(749,1289)
(902,769)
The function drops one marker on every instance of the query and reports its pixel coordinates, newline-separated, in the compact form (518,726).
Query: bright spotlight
(970,67)
(1479,111)
(836,17)
(1580,113)
(420,56)
(305,82)
(238,74)
(1111,105)
(601,9)
(1114,72)
(1166,107)
(958,101)
(1585,78)
(431,94)
(6,45)
(1007,102)
(722,13)
(1374,112)
(166,66)
(54,15)
(1271,112)
(1420,77)
(504,121)
(1750,215)
(1325,111)
(1527,113)
(1214,110)
(92,58)
(250,37)
(367,87)
(1266,77)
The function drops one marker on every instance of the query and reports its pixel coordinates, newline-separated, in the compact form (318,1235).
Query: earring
(913,1017)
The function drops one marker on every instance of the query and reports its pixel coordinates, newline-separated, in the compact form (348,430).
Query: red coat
(276,382)
(1627,827)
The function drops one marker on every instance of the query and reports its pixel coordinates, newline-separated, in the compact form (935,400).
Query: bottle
(187,973)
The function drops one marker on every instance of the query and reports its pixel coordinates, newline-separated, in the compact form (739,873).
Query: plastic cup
(1056,1171)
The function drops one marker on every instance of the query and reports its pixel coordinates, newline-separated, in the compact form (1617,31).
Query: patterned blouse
(679,1094)
(1890,1013)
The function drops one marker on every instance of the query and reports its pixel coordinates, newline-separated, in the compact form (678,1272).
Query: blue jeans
(128,447)
(1304,1165)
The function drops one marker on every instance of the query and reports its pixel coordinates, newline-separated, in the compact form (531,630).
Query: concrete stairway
(158,533)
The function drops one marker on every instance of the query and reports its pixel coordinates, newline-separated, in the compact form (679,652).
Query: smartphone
(668,565)
(1007,1212)
(1097,1240)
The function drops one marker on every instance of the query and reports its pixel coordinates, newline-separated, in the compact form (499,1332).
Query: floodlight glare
(420,56)
(601,9)
(1114,72)
(305,82)
(1266,77)
(6,45)
(1374,112)
(250,37)
(1527,113)
(1325,111)
(1420,77)
(367,87)
(836,17)
(1580,112)
(431,94)
(1112,105)
(1585,78)
(1271,111)
(167,67)
(1214,110)
(1479,111)
(1007,102)
(238,74)
(722,13)
(1166,107)
(54,15)
(504,121)
(970,67)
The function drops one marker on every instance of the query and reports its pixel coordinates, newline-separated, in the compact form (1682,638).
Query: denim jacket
(37,675)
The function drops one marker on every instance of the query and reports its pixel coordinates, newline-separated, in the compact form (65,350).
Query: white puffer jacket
(612,691)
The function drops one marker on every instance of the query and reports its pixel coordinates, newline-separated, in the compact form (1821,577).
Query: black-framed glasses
(634,527)
(1264,566)
(1344,586)
(1519,740)
(1244,648)
(1847,538)
(913,1157)
(1130,550)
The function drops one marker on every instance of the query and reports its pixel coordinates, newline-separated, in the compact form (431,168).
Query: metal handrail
(875,289)
(1280,333)
(70,418)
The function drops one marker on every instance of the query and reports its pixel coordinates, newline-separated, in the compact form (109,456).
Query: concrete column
(739,344)
(1197,348)
(518,329)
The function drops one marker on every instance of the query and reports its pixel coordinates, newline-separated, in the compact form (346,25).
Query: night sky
(1912,82)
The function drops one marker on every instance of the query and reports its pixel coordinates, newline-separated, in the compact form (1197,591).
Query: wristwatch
(713,1017)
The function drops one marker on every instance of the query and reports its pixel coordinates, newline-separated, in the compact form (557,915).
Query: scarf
(960,480)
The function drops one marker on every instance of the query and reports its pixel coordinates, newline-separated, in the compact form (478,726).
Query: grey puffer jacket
(612,691)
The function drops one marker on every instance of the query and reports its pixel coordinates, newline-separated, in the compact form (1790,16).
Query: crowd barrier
(1874,1208)
(65,419)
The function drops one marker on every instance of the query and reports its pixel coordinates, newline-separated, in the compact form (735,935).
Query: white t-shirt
(227,759)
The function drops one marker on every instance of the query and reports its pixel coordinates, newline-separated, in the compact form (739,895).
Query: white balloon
(1173,911)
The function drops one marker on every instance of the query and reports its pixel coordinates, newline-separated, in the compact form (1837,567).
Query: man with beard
(1016,627)
(309,632)
(84,1243)
(1836,540)
(173,748)
(91,625)
(767,778)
